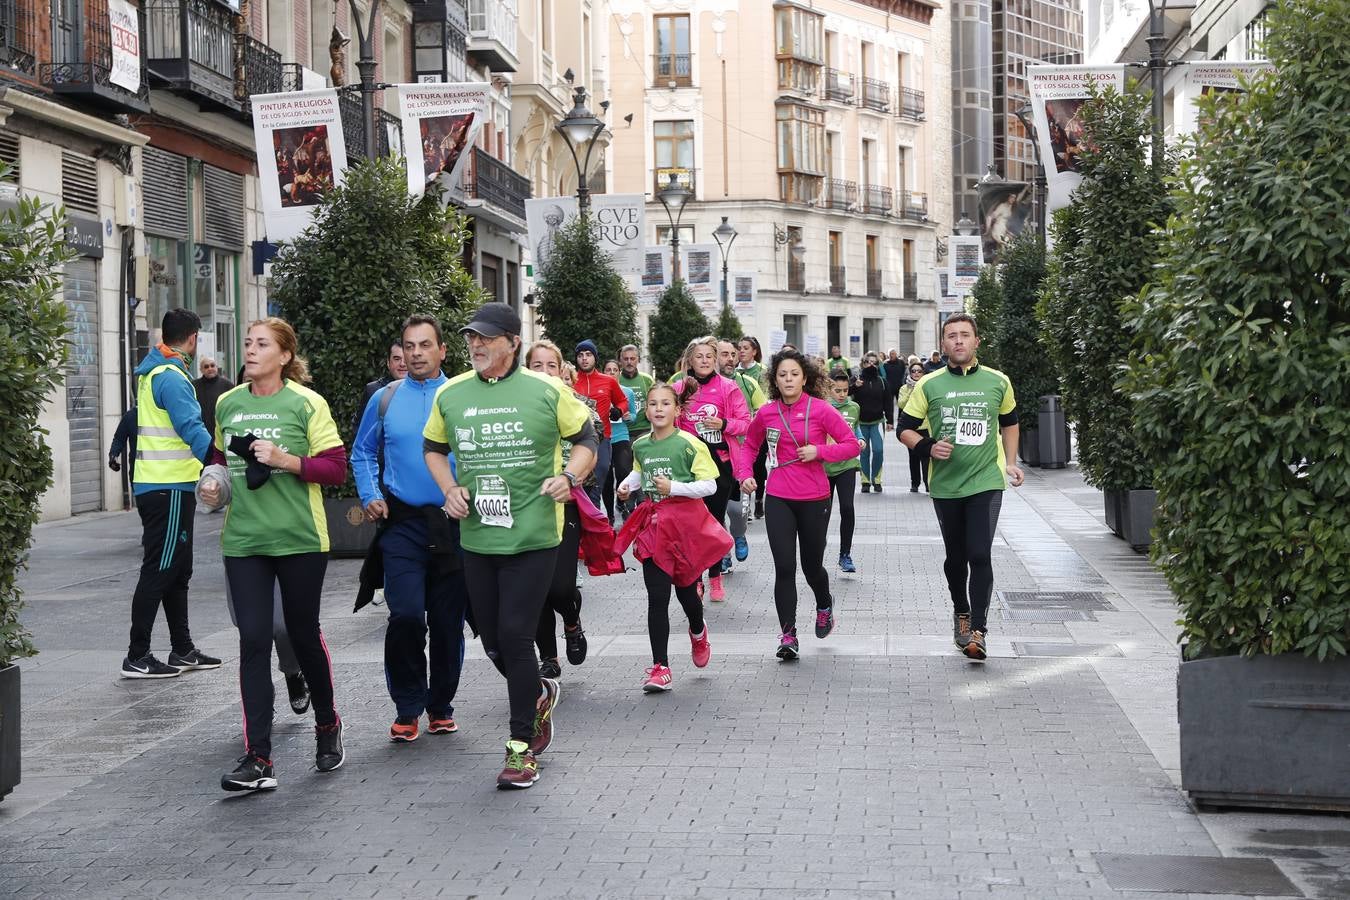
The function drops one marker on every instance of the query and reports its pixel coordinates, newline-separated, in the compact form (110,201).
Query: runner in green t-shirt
(639,383)
(844,475)
(506,426)
(971,414)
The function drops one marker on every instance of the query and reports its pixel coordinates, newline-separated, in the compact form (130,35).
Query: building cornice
(16,101)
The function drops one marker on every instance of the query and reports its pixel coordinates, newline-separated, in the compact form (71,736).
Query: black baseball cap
(493,320)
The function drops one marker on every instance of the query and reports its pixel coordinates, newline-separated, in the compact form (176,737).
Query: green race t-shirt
(285,516)
(964,410)
(640,384)
(757,372)
(850,411)
(679,456)
(506,435)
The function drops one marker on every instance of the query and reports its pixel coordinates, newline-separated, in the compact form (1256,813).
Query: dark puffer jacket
(874,400)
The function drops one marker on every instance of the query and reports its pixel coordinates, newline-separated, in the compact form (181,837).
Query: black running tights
(968,526)
(658,609)
(790,524)
(717,501)
(564,597)
(845,485)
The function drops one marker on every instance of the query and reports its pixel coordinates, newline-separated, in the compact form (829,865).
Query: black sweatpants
(166,569)
(253,580)
(918,467)
(845,486)
(658,609)
(564,597)
(507,593)
(790,524)
(968,526)
(620,465)
(717,501)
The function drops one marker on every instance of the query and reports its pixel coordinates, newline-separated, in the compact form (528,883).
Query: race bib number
(771,436)
(492,501)
(972,426)
(711,435)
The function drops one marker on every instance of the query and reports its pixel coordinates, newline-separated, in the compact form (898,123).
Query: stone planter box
(349,534)
(1136,518)
(10,768)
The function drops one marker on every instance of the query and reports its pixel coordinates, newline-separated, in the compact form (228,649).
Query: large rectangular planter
(1271,731)
(1029,449)
(1136,517)
(1112,500)
(9,729)
(349,534)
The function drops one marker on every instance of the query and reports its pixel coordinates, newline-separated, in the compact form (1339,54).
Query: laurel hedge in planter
(676,322)
(581,296)
(985,303)
(1016,329)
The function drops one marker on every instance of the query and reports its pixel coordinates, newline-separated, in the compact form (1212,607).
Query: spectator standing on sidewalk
(875,418)
(918,460)
(395,368)
(209,388)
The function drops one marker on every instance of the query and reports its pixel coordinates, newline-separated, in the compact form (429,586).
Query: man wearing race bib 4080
(971,415)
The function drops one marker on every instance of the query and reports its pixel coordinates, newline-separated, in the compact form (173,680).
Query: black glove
(114,464)
(255,474)
(615,415)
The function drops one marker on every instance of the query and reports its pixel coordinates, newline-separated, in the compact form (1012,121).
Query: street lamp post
(1157,69)
(580,128)
(1038,202)
(725,235)
(673,197)
(365,64)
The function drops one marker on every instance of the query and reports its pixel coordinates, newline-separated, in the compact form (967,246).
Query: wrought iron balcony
(839,86)
(838,194)
(874,282)
(911,104)
(838,280)
(292,77)
(81,61)
(496,183)
(876,200)
(876,94)
(354,127)
(263,72)
(913,206)
(18,37)
(911,286)
(190,50)
(492,33)
(675,69)
(796,274)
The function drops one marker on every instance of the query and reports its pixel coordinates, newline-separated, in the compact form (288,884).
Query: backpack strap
(387,397)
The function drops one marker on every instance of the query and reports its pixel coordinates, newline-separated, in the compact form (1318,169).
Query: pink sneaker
(658,679)
(719,593)
(700,649)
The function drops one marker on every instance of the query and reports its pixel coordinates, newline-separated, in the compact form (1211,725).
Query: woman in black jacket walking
(876,416)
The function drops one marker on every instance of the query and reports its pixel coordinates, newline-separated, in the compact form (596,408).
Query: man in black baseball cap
(493,320)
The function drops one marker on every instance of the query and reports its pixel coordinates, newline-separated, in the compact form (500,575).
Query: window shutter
(223,198)
(9,154)
(79,182)
(165,186)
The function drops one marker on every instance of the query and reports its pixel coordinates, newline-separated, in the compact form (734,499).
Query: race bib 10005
(492,501)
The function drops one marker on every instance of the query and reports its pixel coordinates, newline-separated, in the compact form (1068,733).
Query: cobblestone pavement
(882,764)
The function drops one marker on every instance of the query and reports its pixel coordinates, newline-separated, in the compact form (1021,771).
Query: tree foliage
(678,320)
(33,347)
(1016,330)
(1242,374)
(581,296)
(728,327)
(984,303)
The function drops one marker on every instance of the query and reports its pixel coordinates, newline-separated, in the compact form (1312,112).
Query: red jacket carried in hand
(678,534)
(605,391)
(597,548)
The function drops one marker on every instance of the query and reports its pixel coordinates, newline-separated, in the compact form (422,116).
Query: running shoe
(148,667)
(658,679)
(718,593)
(759,509)
(298,692)
(576,645)
(193,659)
(846,564)
(404,730)
(824,622)
(441,724)
(521,769)
(961,630)
(543,716)
(700,650)
(549,668)
(252,774)
(914,489)
(329,754)
(742,549)
(866,488)
(726,565)
(975,646)
(788,648)
(876,488)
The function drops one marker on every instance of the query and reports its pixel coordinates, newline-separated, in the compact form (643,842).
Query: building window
(794,326)
(801,139)
(801,33)
(672,63)
(663,235)
(872,336)
(905,345)
(674,149)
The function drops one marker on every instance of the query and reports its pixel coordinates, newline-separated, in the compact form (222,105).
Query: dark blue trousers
(423,608)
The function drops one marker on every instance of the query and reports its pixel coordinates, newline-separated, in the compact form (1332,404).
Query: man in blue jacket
(171,446)
(423,583)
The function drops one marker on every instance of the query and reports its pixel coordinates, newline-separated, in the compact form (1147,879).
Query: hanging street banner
(1057,97)
(440,122)
(301,156)
(701,275)
(656,275)
(1203,78)
(124,35)
(1005,208)
(544,218)
(742,291)
(620,222)
(967,259)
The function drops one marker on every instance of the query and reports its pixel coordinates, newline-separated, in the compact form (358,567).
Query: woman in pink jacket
(796,425)
(716,412)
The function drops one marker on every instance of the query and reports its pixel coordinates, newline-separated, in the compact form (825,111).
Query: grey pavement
(882,764)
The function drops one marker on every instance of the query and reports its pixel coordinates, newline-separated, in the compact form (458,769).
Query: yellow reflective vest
(162,457)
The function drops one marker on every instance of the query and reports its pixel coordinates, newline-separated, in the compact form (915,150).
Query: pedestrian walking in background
(605,391)
(894,370)
(209,387)
(394,369)
(171,446)
(620,442)
(875,418)
(918,460)
(837,361)
(934,362)
(843,476)
(124,444)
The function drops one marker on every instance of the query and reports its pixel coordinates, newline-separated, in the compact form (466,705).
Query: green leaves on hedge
(678,320)
(1006,299)
(1241,378)
(582,297)
(728,327)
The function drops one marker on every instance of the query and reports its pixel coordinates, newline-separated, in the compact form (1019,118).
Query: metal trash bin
(1052,432)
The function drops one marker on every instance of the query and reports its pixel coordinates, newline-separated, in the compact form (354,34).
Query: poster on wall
(777,338)
(124,37)
(301,156)
(440,122)
(1057,97)
(813,347)
(620,223)
(742,290)
(1005,210)
(1213,77)
(967,259)
(700,275)
(655,276)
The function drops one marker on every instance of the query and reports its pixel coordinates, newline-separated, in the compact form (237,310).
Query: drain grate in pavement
(1195,875)
(1028,648)
(1053,606)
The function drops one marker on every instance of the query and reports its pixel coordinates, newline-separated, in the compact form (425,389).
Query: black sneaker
(329,755)
(298,692)
(876,488)
(759,509)
(193,659)
(576,646)
(253,774)
(866,488)
(549,668)
(148,667)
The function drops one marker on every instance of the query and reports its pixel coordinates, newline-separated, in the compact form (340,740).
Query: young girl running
(673,470)
(796,426)
(844,475)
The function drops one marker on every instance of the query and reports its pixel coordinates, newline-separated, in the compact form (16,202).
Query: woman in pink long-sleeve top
(796,425)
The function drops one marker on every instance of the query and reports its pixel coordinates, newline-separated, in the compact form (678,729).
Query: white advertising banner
(544,218)
(967,259)
(1211,77)
(301,156)
(656,274)
(440,122)
(620,221)
(700,272)
(743,288)
(1057,97)
(124,34)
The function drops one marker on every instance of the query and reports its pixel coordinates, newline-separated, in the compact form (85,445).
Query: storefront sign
(301,156)
(125,38)
(1057,97)
(85,235)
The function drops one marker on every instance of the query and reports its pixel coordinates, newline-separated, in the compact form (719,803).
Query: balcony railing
(683,177)
(263,73)
(838,280)
(876,95)
(913,206)
(911,104)
(493,181)
(190,48)
(876,200)
(911,286)
(874,282)
(18,37)
(354,126)
(839,86)
(292,77)
(672,69)
(81,61)
(796,275)
(838,194)
(492,33)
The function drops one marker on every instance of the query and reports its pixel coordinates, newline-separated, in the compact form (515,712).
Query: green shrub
(1016,328)
(1242,377)
(984,303)
(677,321)
(33,348)
(582,297)
(728,327)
